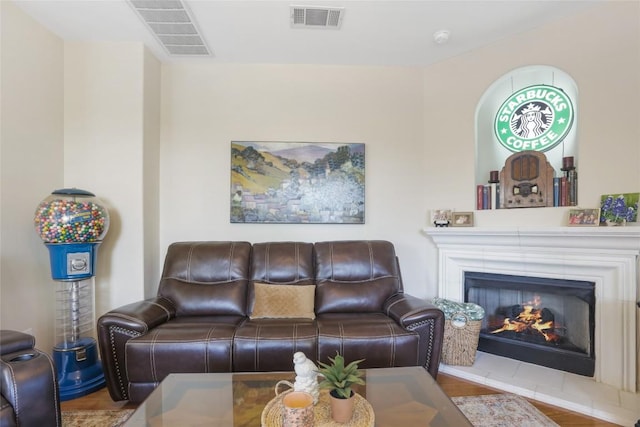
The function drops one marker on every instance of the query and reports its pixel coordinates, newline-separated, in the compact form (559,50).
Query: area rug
(501,410)
(97,418)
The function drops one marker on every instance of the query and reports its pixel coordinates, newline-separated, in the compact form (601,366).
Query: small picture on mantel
(462,219)
(441,217)
(584,217)
(619,209)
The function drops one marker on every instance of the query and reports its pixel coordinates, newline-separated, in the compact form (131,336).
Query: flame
(530,318)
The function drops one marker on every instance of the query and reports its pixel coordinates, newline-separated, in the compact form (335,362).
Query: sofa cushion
(205,299)
(282,262)
(355,276)
(269,344)
(283,301)
(207,278)
(370,336)
(179,347)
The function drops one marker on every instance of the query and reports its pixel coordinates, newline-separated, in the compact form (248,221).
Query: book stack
(488,195)
(565,188)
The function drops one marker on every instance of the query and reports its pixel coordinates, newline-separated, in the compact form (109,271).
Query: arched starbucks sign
(534,118)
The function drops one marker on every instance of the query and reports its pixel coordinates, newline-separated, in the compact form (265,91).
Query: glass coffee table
(399,396)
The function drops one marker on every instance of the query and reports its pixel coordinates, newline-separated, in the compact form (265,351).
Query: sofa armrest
(427,320)
(14,341)
(28,383)
(117,327)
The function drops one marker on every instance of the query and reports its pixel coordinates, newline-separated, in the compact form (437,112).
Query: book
(556,191)
(479,197)
(486,197)
(572,187)
(493,196)
(563,192)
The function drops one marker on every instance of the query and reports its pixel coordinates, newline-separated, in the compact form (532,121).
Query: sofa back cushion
(207,278)
(355,276)
(279,265)
(283,263)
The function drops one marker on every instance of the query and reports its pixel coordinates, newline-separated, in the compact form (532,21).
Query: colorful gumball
(71,216)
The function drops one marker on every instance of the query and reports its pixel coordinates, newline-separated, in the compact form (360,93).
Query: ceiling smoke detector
(172,25)
(316,17)
(441,36)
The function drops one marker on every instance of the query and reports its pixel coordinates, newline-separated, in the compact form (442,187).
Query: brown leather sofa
(28,385)
(219,308)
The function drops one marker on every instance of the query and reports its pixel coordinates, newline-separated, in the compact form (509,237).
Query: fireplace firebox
(548,322)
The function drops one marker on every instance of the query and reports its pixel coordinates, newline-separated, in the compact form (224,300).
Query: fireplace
(548,322)
(606,256)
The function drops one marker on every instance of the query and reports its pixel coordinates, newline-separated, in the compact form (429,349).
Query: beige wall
(420,145)
(150,173)
(205,107)
(75,115)
(417,125)
(110,133)
(32,148)
(600,50)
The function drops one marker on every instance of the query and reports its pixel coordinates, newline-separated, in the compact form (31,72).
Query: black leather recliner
(29,393)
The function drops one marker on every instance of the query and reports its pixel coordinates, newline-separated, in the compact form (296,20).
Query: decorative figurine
(306,375)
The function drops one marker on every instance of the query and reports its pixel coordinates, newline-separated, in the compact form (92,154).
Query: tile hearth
(569,391)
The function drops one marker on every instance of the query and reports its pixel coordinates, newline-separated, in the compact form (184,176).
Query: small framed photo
(441,217)
(619,209)
(584,217)
(462,219)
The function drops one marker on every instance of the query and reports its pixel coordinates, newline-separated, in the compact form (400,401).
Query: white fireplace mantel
(607,256)
(617,238)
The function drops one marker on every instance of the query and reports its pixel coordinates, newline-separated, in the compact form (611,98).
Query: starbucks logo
(534,118)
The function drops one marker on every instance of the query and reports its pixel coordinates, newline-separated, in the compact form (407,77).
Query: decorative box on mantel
(607,256)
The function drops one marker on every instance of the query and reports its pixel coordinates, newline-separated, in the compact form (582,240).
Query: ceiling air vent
(316,17)
(172,25)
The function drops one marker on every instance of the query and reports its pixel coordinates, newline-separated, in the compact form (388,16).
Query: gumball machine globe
(71,221)
(72,224)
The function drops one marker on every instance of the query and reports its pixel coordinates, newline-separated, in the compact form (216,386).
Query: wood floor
(451,385)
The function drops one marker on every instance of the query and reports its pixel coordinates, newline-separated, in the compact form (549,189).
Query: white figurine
(306,375)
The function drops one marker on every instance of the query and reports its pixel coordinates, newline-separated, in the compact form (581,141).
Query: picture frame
(619,208)
(441,217)
(462,219)
(584,217)
(276,182)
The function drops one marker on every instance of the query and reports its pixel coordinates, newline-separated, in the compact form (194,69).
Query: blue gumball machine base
(79,369)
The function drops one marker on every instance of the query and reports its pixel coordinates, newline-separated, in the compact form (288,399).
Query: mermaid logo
(534,118)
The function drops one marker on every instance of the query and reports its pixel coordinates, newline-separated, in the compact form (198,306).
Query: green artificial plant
(339,378)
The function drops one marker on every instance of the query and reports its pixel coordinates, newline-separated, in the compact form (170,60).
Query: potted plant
(338,378)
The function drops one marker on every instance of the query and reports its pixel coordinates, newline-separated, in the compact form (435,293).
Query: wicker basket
(363,415)
(460,340)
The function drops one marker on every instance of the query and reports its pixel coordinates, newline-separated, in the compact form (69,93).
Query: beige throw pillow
(283,301)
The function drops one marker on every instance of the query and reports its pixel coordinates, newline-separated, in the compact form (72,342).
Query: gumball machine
(72,224)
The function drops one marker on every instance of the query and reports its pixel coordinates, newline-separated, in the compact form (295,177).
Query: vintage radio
(526,181)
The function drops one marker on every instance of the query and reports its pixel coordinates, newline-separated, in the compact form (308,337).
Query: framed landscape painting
(297,182)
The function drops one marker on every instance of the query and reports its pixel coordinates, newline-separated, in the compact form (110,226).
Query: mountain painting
(297,183)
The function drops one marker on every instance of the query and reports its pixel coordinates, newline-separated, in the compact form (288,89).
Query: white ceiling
(378,32)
